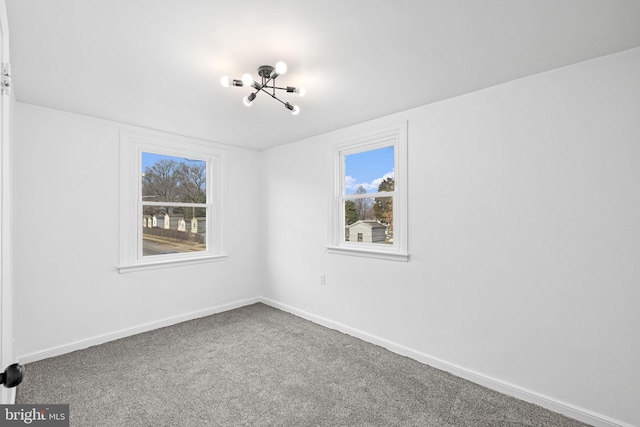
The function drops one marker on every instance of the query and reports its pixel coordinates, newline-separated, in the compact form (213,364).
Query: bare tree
(159,183)
(363,206)
(175,181)
(192,179)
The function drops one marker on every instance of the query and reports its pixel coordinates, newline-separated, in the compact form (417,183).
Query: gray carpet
(258,366)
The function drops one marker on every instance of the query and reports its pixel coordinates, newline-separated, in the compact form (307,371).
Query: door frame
(7,351)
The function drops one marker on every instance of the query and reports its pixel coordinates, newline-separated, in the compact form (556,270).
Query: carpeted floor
(258,366)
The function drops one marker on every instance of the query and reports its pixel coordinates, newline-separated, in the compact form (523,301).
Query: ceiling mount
(265,71)
(268,74)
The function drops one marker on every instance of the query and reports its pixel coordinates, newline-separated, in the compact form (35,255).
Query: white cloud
(352,183)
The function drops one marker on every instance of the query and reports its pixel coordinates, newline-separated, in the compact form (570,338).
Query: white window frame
(392,136)
(132,145)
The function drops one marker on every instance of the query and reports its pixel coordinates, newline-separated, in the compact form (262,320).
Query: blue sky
(149,159)
(368,169)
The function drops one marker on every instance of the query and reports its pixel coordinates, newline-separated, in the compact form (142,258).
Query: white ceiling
(157,63)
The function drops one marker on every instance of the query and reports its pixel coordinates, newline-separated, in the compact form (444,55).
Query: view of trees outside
(383,206)
(369,172)
(174,227)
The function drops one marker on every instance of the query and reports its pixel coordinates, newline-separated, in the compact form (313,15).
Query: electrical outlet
(322,279)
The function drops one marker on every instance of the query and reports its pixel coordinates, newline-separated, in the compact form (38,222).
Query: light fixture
(249,99)
(247,79)
(268,74)
(281,68)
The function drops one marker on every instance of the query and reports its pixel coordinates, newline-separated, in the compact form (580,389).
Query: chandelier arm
(257,91)
(276,87)
(264,84)
(274,97)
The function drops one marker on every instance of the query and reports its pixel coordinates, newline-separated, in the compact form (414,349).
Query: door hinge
(6,78)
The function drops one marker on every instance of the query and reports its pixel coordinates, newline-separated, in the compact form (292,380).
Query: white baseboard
(572,411)
(79,345)
(7,396)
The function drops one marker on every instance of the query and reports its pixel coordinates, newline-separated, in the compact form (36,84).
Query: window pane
(369,220)
(173,179)
(369,171)
(170,232)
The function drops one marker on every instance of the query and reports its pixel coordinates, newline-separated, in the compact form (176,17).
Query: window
(170,202)
(369,195)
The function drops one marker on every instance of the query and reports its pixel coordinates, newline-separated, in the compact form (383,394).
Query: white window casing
(132,145)
(392,136)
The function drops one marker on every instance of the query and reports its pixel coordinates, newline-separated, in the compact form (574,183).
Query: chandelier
(268,74)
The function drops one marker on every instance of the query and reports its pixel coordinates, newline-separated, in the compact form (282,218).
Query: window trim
(396,136)
(132,145)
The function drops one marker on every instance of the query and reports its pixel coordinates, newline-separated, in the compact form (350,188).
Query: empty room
(320,213)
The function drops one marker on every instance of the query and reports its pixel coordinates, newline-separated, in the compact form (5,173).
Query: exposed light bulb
(301,91)
(281,68)
(296,110)
(247,79)
(246,101)
(224,81)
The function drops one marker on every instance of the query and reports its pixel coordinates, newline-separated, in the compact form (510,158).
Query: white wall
(66,239)
(524,216)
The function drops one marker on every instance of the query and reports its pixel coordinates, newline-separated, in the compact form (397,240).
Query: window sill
(368,253)
(153,265)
